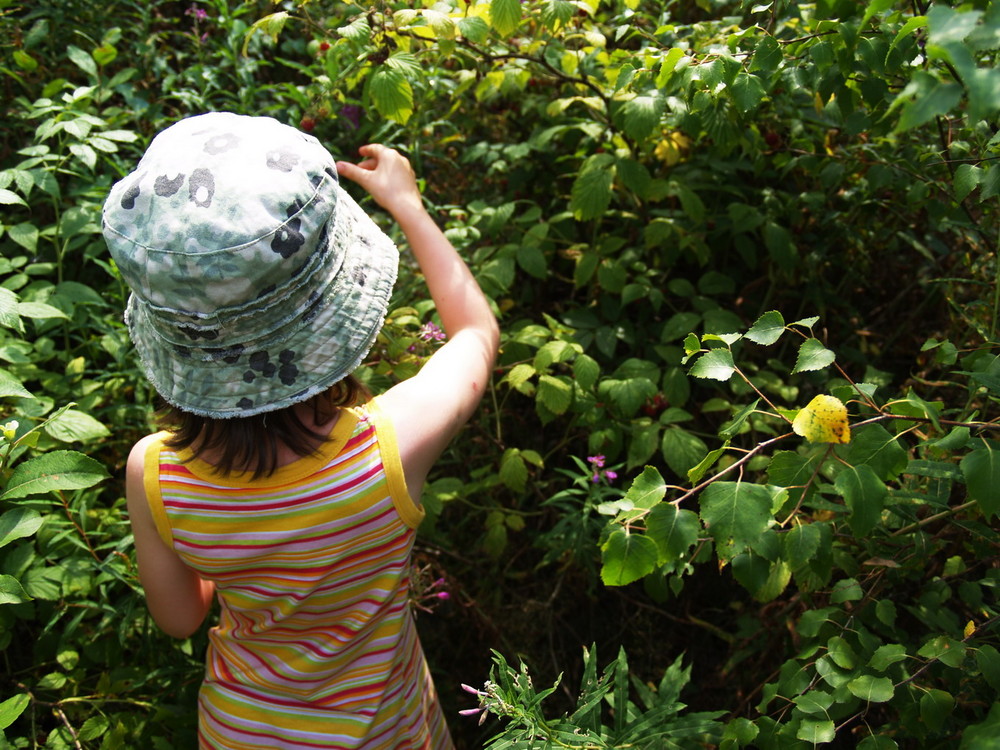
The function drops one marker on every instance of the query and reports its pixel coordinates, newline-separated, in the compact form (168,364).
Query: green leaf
(513,470)
(505,15)
(629,394)
(474,28)
(9,197)
(886,655)
(591,192)
(715,364)
(871,689)
(627,557)
(841,652)
(82,60)
(801,544)
(967,178)
(391,93)
(925,98)
(11,708)
(674,530)
(56,470)
(641,115)
(767,329)
(682,450)
(555,392)
(586,371)
(875,446)
(981,468)
(988,661)
(11,592)
(813,356)
(11,386)
(864,494)
(647,489)
(18,523)
(986,734)
(748,91)
(935,707)
(735,514)
(25,235)
(39,311)
(816,730)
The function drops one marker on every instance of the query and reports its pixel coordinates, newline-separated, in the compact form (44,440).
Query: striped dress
(315,646)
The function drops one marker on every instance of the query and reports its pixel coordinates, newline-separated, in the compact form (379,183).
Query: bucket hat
(256,280)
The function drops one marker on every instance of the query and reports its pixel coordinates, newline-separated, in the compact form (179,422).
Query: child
(258,285)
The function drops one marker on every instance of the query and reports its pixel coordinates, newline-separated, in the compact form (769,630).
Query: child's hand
(387,176)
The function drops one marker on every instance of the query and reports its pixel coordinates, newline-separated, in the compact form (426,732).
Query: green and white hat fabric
(256,280)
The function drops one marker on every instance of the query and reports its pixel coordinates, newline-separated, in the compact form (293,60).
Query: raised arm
(428,409)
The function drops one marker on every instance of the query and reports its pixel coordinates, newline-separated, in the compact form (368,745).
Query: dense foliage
(743,440)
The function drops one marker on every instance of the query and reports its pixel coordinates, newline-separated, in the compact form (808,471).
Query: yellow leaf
(970,628)
(823,420)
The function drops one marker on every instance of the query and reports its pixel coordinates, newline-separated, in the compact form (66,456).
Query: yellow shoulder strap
(411,513)
(151,484)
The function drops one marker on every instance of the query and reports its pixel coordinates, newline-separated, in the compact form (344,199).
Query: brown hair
(251,443)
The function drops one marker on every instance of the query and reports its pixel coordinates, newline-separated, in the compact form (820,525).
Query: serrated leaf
(641,115)
(735,514)
(647,489)
(767,329)
(674,530)
(627,557)
(748,92)
(967,178)
(871,689)
(715,364)
(586,371)
(56,470)
(392,94)
(813,356)
(555,393)
(816,731)
(513,471)
(505,16)
(591,192)
(801,544)
(823,420)
(474,28)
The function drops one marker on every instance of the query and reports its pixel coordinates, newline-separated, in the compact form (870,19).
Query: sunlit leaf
(823,420)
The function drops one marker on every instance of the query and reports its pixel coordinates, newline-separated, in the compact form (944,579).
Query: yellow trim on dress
(287,474)
(411,513)
(151,485)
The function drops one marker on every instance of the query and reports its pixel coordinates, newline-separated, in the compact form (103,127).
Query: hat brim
(304,357)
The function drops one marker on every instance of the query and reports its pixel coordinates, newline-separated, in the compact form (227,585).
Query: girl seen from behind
(258,286)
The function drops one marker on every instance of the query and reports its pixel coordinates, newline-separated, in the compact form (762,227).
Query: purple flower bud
(470,689)
(596,461)
(443,595)
(611,475)
(470,711)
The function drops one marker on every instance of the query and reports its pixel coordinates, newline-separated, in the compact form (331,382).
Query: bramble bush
(743,433)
